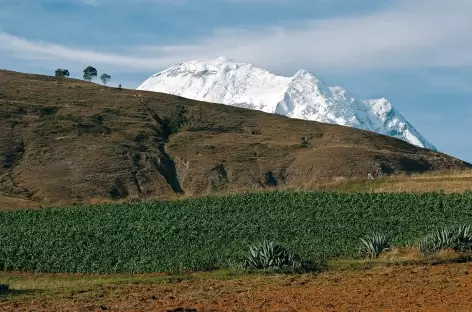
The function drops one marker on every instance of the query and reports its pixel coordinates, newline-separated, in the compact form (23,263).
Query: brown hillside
(65,141)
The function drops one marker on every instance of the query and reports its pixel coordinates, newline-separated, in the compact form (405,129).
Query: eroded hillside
(64,141)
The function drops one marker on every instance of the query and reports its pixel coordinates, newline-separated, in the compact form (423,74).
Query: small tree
(105,78)
(90,73)
(62,72)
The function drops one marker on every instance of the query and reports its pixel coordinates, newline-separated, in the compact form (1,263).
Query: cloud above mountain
(409,34)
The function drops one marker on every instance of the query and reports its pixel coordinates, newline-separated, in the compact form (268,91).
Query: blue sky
(416,53)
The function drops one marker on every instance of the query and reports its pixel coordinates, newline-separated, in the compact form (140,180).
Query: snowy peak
(302,96)
(304,75)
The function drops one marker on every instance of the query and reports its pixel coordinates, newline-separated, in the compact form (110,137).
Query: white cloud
(412,34)
(23,48)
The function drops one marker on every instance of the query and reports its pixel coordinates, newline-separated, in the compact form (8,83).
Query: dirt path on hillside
(413,288)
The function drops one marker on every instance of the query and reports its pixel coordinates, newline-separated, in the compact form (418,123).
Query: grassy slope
(448,182)
(65,141)
(203,233)
(441,181)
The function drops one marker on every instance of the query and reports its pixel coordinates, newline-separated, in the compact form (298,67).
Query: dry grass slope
(64,141)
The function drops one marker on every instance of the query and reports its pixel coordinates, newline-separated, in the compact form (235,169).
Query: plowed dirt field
(409,288)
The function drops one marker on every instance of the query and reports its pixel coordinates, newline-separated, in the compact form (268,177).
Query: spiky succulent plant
(456,238)
(373,245)
(270,255)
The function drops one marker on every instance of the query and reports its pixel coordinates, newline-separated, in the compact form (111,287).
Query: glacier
(303,96)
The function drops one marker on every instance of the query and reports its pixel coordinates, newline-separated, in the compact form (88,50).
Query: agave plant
(464,238)
(373,245)
(270,255)
(459,238)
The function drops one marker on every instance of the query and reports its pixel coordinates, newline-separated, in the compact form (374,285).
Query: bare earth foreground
(397,288)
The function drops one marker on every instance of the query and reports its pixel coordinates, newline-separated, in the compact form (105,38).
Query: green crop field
(198,234)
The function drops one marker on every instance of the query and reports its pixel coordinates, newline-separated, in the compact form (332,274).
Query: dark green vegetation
(4,288)
(90,73)
(61,72)
(105,78)
(205,233)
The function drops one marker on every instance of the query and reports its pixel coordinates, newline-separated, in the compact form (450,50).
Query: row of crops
(203,233)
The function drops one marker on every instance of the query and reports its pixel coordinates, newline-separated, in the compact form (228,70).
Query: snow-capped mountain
(302,96)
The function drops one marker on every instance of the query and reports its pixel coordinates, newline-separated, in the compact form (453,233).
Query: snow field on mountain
(302,96)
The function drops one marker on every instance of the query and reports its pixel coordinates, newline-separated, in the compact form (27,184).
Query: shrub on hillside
(176,119)
(4,288)
(105,78)
(62,72)
(90,73)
